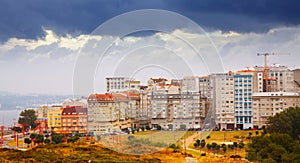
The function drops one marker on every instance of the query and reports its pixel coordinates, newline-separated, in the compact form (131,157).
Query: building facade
(222,99)
(121,84)
(74,119)
(113,112)
(283,76)
(266,104)
(243,90)
(54,119)
(173,109)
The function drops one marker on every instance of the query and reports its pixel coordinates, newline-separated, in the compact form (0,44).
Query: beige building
(121,84)
(222,98)
(172,109)
(75,102)
(266,104)
(113,112)
(42,110)
(284,77)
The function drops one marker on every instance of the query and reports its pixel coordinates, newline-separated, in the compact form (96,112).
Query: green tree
(213,145)
(208,146)
(27,141)
(73,139)
(39,138)
(235,144)
(158,127)
(196,145)
(208,137)
(274,148)
(57,138)
(17,129)
(28,118)
(148,128)
(202,143)
(198,142)
(224,149)
(32,137)
(47,141)
(286,122)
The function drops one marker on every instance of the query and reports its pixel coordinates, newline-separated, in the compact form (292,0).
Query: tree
(273,148)
(32,137)
(73,139)
(208,146)
(241,145)
(57,138)
(27,141)
(17,129)
(286,122)
(235,144)
(196,145)
(39,138)
(250,134)
(202,143)
(224,149)
(47,141)
(198,142)
(28,118)
(148,128)
(158,127)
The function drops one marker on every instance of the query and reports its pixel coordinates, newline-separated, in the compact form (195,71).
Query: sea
(8,117)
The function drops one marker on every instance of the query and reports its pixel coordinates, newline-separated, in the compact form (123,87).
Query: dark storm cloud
(25,19)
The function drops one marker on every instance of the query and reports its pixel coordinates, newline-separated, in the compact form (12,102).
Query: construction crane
(269,83)
(266,68)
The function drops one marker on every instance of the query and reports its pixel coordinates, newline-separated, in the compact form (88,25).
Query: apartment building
(172,109)
(75,102)
(121,84)
(54,119)
(74,119)
(222,99)
(283,76)
(243,89)
(42,110)
(266,104)
(113,112)
(190,84)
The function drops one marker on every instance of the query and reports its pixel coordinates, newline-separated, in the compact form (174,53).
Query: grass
(84,153)
(220,137)
(229,136)
(13,143)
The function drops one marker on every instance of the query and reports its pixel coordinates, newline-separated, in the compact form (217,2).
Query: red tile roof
(74,110)
(113,97)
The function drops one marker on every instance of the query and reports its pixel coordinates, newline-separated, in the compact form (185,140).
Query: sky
(57,47)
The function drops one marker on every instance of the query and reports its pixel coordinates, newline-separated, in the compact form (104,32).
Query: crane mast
(267,87)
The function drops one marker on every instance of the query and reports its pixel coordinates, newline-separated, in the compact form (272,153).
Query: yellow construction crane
(266,68)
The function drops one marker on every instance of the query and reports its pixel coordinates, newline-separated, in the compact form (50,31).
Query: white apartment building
(121,84)
(205,87)
(222,98)
(172,109)
(266,104)
(190,84)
